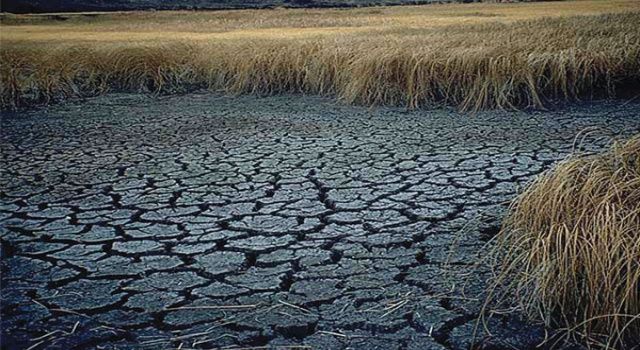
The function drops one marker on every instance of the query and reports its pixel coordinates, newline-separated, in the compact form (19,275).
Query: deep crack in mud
(204,221)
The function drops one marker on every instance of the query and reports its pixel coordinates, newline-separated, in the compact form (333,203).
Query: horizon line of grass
(522,64)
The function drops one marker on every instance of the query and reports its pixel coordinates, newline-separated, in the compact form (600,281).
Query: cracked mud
(203,221)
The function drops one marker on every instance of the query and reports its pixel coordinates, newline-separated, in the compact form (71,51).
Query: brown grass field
(473,56)
(569,251)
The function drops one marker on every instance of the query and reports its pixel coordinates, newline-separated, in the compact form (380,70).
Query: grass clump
(569,250)
(471,56)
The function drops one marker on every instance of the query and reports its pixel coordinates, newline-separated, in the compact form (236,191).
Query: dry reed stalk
(472,66)
(569,250)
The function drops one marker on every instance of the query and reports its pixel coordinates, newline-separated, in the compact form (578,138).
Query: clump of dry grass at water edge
(569,250)
(477,57)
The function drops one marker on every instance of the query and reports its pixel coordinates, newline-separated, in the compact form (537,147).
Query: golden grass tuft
(569,250)
(470,56)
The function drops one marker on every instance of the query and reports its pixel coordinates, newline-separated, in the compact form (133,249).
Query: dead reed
(491,57)
(569,250)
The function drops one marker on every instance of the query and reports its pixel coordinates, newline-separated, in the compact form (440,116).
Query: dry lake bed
(204,221)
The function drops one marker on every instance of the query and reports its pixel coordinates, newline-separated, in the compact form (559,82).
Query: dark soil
(132,222)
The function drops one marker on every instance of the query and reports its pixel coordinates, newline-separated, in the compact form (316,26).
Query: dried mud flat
(203,221)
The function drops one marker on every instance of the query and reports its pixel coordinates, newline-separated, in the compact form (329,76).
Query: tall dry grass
(569,250)
(482,56)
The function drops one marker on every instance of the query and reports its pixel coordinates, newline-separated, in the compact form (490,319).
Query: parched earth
(203,221)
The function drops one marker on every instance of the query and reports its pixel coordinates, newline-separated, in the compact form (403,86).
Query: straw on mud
(213,307)
(333,333)
(294,307)
(36,345)
(394,307)
(47,335)
(63,310)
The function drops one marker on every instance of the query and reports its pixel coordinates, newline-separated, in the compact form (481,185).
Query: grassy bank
(471,56)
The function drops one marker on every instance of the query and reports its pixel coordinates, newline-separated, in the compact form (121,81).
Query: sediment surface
(210,221)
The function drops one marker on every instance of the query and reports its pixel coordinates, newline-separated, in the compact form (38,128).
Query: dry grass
(569,251)
(472,56)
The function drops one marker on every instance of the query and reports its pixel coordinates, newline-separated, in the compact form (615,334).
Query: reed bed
(569,250)
(469,56)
